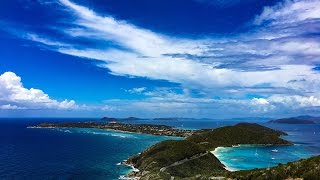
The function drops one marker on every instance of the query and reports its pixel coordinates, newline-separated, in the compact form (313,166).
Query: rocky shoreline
(133,175)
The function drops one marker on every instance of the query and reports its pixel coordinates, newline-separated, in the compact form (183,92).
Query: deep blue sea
(29,153)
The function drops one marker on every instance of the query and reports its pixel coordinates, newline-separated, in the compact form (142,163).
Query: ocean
(27,153)
(31,153)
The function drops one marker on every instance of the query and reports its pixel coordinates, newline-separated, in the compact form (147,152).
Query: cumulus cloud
(13,95)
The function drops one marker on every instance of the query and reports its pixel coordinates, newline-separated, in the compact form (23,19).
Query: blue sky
(161,58)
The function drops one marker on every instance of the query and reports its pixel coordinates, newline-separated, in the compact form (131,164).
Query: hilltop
(180,159)
(191,158)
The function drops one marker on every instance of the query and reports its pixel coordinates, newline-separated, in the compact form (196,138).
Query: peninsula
(191,158)
(162,130)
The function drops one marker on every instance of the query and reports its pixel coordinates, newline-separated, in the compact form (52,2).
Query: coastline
(132,174)
(215,152)
(106,129)
(227,155)
(151,129)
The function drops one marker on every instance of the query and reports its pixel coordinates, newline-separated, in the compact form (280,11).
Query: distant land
(120,119)
(156,119)
(153,129)
(297,120)
(183,119)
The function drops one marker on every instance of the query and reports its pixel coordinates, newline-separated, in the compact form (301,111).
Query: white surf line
(215,152)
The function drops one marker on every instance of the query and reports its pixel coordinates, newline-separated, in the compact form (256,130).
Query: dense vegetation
(242,133)
(308,169)
(190,158)
(169,152)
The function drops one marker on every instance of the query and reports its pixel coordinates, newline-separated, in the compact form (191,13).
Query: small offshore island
(193,157)
(297,120)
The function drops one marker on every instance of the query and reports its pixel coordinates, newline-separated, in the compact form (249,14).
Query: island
(166,119)
(192,157)
(297,120)
(120,119)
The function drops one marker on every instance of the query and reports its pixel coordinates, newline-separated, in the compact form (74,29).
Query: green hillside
(191,159)
(308,169)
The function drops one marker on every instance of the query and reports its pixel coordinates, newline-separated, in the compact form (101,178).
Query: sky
(159,58)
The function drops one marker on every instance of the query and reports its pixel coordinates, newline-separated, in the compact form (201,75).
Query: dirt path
(184,161)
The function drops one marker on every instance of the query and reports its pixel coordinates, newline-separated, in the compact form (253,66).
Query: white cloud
(10,107)
(109,108)
(148,53)
(136,90)
(290,11)
(34,37)
(140,40)
(260,101)
(166,102)
(13,95)
(280,103)
(296,101)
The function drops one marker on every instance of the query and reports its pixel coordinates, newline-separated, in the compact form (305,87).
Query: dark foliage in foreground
(308,169)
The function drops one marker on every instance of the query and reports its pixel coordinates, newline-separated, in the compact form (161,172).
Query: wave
(109,133)
(62,130)
(95,132)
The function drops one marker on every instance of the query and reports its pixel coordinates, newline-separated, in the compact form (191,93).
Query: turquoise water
(306,139)
(250,157)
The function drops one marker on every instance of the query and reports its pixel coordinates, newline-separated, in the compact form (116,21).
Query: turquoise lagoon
(306,139)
